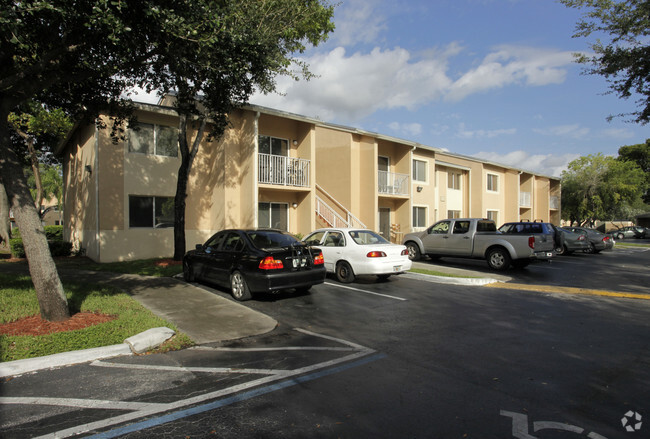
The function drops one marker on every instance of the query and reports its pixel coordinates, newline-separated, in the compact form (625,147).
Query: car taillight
(376,254)
(270,263)
(606,238)
(319,260)
(531,242)
(405,252)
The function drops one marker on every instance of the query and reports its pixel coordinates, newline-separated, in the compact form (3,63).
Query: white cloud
(464,133)
(509,65)
(573,131)
(349,87)
(407,129)
(546,164)
(619,133)
(358,21)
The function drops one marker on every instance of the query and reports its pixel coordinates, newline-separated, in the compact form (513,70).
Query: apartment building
(275,169)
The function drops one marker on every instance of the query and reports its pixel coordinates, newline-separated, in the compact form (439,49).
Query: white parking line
(137,410)
(364,291)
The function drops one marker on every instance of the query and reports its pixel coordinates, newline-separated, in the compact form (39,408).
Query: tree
(597,187)
(77,55)
(221,54)
(639,154)
(625,61)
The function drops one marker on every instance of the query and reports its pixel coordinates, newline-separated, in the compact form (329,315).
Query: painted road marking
(273,380)
(364,291)
(520,426)
(567,290)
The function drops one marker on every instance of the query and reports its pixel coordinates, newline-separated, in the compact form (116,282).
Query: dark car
(598,241)
(251,261)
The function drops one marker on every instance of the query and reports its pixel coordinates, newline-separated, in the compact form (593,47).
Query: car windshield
(367,237)
(271,239)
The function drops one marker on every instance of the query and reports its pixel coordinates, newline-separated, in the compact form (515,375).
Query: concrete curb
(477,281)
(143,342)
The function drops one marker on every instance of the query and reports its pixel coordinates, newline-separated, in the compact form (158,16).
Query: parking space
(145,391)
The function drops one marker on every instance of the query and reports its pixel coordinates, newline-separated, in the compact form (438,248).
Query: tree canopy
(598,187)
(624,61)
(82,56)
(639,154)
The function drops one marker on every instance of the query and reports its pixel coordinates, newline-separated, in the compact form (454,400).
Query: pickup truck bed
(479,239)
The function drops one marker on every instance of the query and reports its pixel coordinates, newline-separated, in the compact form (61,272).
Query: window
(493,215)
(146,138)
(440,228)
(274,215)
(156,212)
(419,171)
(233,242)
(461,227)
(419,216)
(492,182)
(273,145)
(453,214)
(453,180)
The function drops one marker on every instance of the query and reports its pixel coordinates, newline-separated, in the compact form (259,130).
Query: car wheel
(561,250)
(591,249)
(383,276)
(239,287)
(344,272)
(414,251)
(498,259)
(188,272)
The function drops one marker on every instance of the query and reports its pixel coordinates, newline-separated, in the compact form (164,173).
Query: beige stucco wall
(79,193)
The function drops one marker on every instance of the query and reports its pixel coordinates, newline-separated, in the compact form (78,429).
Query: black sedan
(250,261)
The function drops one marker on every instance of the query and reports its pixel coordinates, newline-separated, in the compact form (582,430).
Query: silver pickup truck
(478,238)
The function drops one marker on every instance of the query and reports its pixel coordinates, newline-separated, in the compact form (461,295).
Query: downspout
(410,212)
(256,190)
(96,172)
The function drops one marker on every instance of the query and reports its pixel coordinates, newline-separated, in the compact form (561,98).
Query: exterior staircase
(331,213)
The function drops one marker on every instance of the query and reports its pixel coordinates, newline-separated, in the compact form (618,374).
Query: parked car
(598,241)
(355,252)
(251,261)
(478,238)
(572,241)
(626,232)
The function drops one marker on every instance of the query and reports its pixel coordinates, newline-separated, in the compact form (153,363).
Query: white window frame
(495,213)
(426,171)
(455,180)
(492,179)
(426,217)
(156,129)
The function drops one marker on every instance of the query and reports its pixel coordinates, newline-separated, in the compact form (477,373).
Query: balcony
(393,184)
(283,170)
(525,199)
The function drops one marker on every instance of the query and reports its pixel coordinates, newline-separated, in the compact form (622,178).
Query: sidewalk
(204,316)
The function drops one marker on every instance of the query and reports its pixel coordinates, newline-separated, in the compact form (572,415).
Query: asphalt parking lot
(402,358)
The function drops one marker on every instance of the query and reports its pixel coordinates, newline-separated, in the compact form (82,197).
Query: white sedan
(354,252)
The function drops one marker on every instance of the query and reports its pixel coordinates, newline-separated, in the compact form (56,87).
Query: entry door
(384,222)
(383,166)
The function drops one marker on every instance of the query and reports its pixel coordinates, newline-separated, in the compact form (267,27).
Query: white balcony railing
(393,184)
(283,170)
(525,199)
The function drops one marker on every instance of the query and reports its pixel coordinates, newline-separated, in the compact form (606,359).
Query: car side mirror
(199,246)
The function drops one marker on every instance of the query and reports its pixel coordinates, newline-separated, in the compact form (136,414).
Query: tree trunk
(187,158)
(49,290)
(37,174)
(5,226)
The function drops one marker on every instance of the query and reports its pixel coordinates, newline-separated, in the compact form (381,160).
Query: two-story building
(275,169)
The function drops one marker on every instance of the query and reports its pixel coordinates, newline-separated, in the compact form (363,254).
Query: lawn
(18,300)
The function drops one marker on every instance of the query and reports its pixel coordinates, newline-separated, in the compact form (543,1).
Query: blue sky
(489,78)
(494,79)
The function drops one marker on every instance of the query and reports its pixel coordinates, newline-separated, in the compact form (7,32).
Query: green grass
(18,299)
(630,245)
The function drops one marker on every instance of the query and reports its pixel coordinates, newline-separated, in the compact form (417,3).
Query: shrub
(54,233)
(57,248)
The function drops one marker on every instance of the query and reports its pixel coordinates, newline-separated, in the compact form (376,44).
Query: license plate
(397,268)
(299,262)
